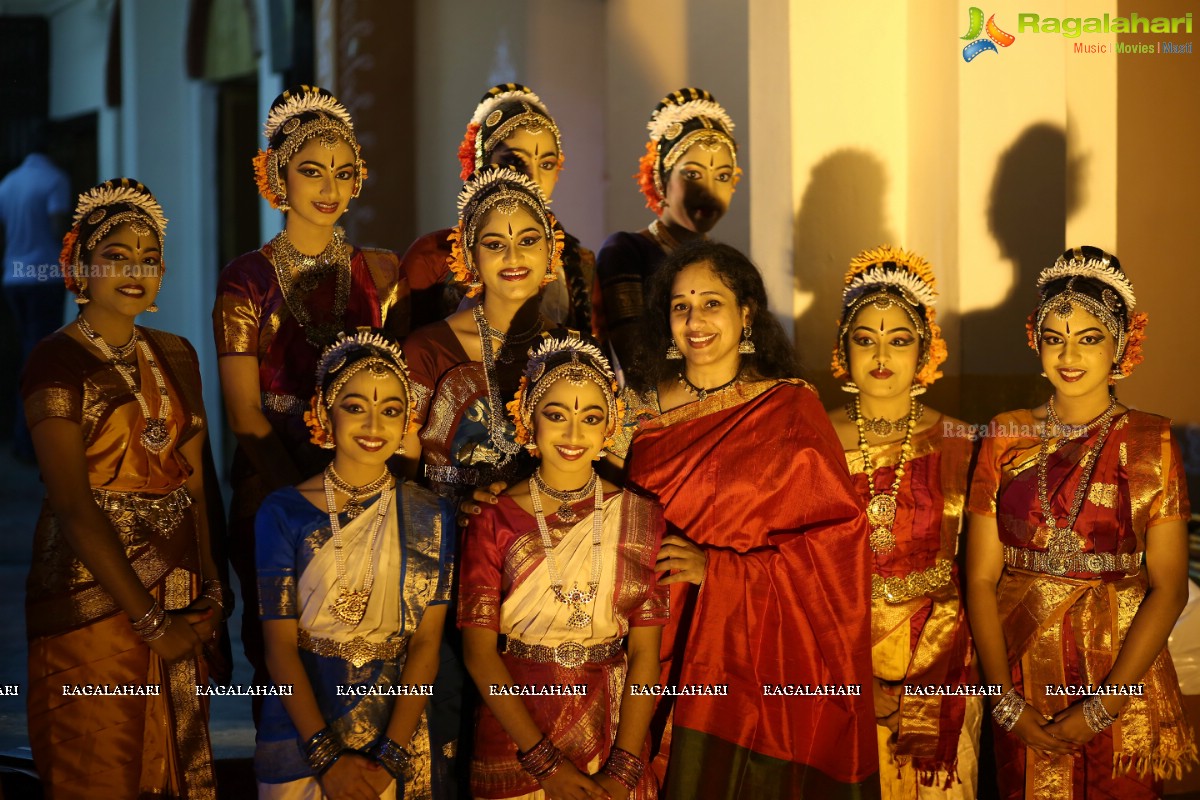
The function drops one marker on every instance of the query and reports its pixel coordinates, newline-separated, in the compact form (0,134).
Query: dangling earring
(1043,374)
(399,451)
(152,308)
(600,454)
(533,450)
(327,442)
(82,298)
(746,346)
(849,387)
(673,352)
(917,390)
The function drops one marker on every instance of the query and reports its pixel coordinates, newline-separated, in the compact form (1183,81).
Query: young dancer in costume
(123,589)
(353,574)
(561,572)
(1077,562)
(909,465)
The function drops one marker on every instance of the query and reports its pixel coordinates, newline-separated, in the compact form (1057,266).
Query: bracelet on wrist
(542,760)
(1008,710)
(624,767)
(392,757)
(322,750)
(1096,715)
(214,590)
(144,622)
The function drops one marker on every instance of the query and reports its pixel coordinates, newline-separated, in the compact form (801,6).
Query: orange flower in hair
(937,352)
(1031,334)
(66,259)
(458,264)
(312,418)
(1134,341)
(466,151)
(260,162)
(645,177)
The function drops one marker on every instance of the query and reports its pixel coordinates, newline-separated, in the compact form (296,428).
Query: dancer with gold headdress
(520,558)
(354,581)
(1077,557)
(278,306)
(123,591)
(909,465)
(687,175)
(510,127)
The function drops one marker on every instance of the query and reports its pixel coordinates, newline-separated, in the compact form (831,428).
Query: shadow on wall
(1034,190)
(841,213)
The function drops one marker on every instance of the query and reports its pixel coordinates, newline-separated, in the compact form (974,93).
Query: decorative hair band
(505,190)
(296,116)
(338,365)
(1111,301)
(681,119)
(504,108)
(101,209)
(889,276)
(569,357)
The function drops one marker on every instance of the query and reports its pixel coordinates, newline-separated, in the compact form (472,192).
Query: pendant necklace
(155,435)
(565,499)
(351,604)
(704,394)
(882,426)
(354,505)
(1063,542)
(497,429)
(575,597)
(881,508)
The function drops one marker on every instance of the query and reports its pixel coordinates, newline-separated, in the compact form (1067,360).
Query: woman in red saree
(766,545)
(909,465)
(123,593)
(1077,558)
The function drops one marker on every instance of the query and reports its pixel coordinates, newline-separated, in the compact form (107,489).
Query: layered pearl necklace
(155,435)
(575,597)
(351,604)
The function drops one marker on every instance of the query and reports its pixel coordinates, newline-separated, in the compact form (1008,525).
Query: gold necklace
(497,421)
(881,508)
(354,505)
(299,275)
(1063,542)
(663,237)
(575,597)
(155,435)
(565,499)
(882,426)
(351,604)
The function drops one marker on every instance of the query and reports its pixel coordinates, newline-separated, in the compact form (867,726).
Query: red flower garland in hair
(66,259)
(1031,334)
(1134,341)
(645,177)
(466,151)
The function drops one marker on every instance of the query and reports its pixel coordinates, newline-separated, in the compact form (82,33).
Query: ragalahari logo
(995,36)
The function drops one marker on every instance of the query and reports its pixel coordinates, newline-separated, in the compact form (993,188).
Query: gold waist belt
(567,654)
(357,651)
(162,512)
(917,583)
(1061,564)
(458,476)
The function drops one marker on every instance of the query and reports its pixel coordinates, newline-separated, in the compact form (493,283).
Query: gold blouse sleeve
(53,401)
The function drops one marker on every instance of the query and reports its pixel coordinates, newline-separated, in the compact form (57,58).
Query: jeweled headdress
(504,189)
(296,116)
(889,276)
(571,357)
(680,120)
(101,209)
(1092,279)
(350,354)
(503,109)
